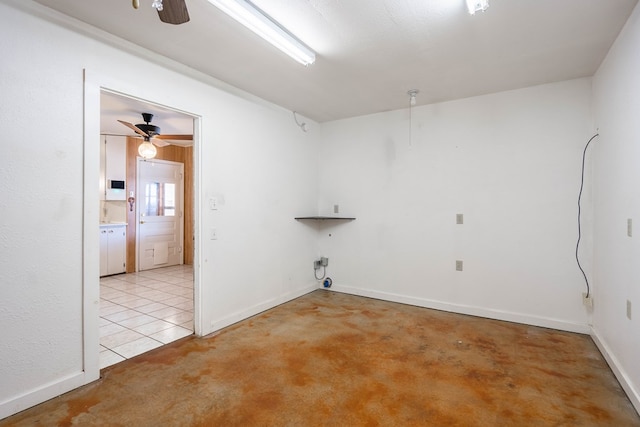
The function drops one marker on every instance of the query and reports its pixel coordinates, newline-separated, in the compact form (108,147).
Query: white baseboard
(43,393)
(258,308)
(618,370)
(544,322)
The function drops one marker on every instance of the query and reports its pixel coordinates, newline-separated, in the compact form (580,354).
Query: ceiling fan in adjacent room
(170,11)
(152,136)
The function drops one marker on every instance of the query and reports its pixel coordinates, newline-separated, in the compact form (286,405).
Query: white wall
(252,157)
(617,198)
(510,162)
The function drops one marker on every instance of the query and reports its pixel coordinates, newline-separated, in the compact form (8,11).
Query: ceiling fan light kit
(147,150)
(260,23)
(152,137)
(157,5)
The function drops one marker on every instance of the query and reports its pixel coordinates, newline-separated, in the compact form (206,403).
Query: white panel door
(160,213)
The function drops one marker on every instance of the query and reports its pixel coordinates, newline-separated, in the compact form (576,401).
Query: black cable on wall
(584,154)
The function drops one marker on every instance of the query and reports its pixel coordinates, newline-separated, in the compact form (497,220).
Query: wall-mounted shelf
(325,218)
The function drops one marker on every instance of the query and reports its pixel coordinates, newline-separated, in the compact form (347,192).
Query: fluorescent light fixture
(260,23)
(477,6)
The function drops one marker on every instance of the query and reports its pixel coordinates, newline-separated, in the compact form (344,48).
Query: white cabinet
(113,168)
(113,248)
(104,252)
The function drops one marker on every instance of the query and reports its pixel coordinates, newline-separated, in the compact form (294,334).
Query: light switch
(213,203)
(213,234)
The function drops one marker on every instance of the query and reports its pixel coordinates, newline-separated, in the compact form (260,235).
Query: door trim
(94,84)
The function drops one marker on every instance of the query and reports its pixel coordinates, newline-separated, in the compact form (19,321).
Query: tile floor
(142,311)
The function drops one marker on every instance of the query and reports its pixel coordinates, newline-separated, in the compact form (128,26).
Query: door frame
(94,84)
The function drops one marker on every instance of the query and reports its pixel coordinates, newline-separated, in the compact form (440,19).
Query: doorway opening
(148,300)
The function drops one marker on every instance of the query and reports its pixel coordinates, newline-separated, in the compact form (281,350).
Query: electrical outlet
(458,265)
(629,309)
(459,218)
(324,261)
(317,264)
(587,301)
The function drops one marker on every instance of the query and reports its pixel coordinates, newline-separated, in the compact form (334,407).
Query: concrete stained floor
(330,359)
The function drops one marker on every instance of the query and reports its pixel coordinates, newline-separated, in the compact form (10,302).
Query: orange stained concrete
(330,359)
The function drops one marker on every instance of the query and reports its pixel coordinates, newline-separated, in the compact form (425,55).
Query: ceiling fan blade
(176,137)
(174,12)
(134,128)
(158,142)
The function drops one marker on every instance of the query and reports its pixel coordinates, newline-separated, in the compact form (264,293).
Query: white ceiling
(371,52)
